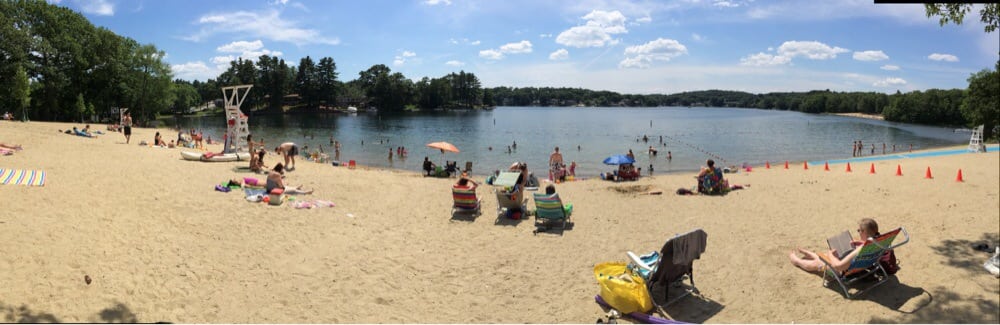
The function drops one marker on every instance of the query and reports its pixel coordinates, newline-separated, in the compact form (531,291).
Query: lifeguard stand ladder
(976,142)
(237,125)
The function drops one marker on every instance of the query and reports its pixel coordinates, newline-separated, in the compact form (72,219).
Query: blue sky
(638,47)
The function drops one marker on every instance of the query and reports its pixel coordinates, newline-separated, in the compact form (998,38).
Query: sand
(161,245)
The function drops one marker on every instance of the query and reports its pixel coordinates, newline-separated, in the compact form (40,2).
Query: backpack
(888,262)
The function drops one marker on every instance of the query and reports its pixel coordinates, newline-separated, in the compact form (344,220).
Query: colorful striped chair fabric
(866,263)
(550,208)
(465,200)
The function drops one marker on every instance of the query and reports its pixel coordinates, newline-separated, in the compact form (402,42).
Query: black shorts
(128,130)
(293,151)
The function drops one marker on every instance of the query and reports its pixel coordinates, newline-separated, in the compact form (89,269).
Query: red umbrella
(443,146)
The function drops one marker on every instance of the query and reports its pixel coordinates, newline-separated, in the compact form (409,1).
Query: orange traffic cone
(786,164)
(848,167)
(927,175)
(899,171)
(872,170)
(826,165)
(959,177)
(805,165)
(767,164)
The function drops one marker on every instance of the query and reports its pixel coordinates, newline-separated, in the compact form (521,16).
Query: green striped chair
(465,201)
(550,208)
(866,263)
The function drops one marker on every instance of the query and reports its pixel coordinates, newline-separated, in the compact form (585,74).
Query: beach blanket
(22,176)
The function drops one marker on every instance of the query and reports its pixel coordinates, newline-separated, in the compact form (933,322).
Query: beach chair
(866,263)
(465,201)
(549,208)
(666,270)
(468,168)
(505,202)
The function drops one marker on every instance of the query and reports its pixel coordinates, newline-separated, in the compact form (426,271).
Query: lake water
(731,136)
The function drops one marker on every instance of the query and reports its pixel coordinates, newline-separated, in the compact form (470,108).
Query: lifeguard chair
(237,123)
(976,142)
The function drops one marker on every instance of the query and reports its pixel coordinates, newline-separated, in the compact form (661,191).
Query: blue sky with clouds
(625,46)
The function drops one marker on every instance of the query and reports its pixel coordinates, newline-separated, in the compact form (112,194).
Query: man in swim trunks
(289,150)
(127,123)
(555,163)
(813,262)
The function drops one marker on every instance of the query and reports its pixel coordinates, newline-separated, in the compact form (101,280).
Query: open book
(841,243)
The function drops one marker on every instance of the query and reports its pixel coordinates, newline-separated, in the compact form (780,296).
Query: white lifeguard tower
(976,142)
(237,125)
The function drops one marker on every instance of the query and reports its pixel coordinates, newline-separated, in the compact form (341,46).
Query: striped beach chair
(465,201)
(549,208)
(866,263)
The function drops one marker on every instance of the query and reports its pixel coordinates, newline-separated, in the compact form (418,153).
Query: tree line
(63,68)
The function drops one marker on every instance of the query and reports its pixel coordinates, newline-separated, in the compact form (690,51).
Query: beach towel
(22,176)
(309,204)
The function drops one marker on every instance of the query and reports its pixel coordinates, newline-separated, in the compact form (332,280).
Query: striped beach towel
(22,176)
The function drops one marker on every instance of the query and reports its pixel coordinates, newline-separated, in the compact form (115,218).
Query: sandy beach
(160,244)
(863,115)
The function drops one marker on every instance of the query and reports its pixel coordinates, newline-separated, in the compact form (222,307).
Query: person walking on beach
(854,148)
(555,163)
(883,148)
(873,149)
(127,123)
(289,150)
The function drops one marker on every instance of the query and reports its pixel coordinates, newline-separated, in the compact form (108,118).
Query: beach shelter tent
(237,124)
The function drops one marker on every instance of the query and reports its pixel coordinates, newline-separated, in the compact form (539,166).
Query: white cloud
(725,4)
(223,60)
(696,37)
(644,20)
(549,35)
(515,48)
(476,42)
(870,56)
(279,2)
(437,2)
(240,46)
(97,7)
(596,32)
(403,57)
(887,82)
(560,54)
(267,25)
(195,71)
(889,67)
(764,59)
(660,49)
(943,57)
(455,63)
(809,49)
(247,50)
(491,54)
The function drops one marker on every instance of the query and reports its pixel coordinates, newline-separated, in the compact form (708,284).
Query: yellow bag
(621,289)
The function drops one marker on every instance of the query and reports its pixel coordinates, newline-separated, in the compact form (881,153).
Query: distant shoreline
(862,115)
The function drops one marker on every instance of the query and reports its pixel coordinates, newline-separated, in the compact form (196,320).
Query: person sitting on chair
(811,261)
(466,184)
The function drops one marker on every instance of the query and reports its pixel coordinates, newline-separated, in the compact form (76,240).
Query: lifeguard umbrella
(443,146)
(619,160)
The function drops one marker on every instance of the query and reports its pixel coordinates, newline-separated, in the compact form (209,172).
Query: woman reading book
(810,261)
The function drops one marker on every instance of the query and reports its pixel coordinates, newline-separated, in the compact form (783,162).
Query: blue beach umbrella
(619,160)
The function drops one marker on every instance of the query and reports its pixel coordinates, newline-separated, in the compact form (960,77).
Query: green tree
(21,92)
(955,13)
(981,105)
